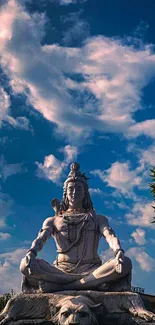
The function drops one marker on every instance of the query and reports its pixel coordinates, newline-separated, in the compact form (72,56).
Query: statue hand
(31,263)
(119,261)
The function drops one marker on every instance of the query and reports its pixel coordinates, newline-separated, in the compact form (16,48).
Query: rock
(102,307)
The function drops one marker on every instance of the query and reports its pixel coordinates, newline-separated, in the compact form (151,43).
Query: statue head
(75,190)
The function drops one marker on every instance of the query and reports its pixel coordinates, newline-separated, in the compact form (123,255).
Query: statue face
(75,193)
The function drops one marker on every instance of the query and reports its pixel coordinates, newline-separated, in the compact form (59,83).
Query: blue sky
(77,84)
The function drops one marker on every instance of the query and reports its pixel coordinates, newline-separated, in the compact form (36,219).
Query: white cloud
(122,205)
(7,170)
(7,18)
(139,236)
(61,2)
(146,127)
(147,157)
(4,105)
(67,2)
(20,122)
(145,261)
(95,191)
(141,214)
(10,278)
(46,78)
(119,176)
(5,114)
(4,236)
(5,208)
(9,270)
(70,153)
(14,257)
(52,168)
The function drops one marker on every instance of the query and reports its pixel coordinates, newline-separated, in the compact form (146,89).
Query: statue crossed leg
(50,278)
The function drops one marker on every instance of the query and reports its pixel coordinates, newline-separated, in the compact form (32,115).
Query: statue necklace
(74,237)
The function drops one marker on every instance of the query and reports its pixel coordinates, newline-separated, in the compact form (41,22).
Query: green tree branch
(5,298)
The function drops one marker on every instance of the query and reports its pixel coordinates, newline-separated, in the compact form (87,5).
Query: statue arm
(109,235)
(43,235)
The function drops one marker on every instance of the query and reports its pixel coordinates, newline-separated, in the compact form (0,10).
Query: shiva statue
(76,229)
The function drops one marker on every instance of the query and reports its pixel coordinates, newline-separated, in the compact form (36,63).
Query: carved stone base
(99,308)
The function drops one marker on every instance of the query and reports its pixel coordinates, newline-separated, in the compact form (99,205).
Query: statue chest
(71,229)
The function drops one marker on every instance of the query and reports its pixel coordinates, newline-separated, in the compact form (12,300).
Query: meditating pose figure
(76,229)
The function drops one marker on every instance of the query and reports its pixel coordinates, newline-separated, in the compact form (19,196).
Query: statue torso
(77,237)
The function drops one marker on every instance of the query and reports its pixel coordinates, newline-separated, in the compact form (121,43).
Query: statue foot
(26,287)
(49,287)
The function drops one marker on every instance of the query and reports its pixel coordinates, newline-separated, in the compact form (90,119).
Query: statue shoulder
(48,223)
(102,220)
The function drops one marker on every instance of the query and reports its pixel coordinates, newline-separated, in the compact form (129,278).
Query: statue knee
(23,267)
(127,264)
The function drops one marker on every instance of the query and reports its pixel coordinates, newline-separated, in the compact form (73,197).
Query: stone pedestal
(103,307)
